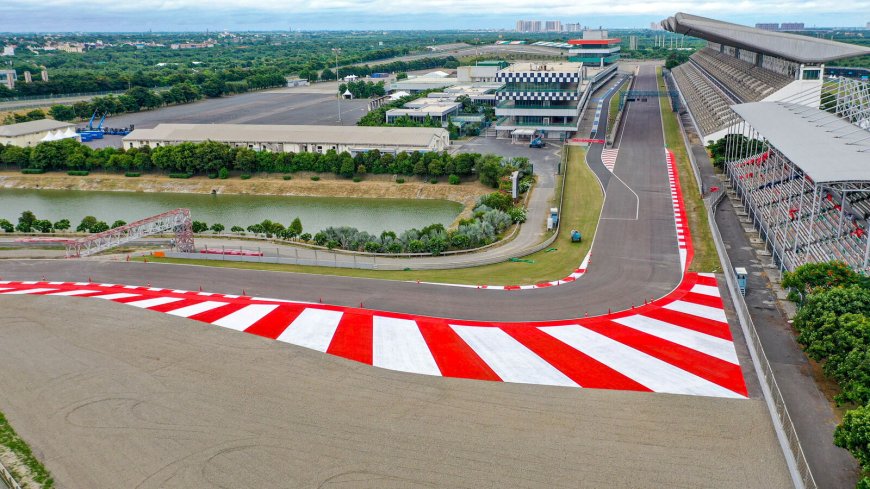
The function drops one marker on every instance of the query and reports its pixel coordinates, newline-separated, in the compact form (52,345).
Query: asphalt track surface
(159,401)
(634,256)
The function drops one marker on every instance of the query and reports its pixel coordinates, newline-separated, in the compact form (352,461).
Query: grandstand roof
(820,143)
(794,47)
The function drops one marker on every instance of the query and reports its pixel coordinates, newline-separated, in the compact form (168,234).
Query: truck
(537,142)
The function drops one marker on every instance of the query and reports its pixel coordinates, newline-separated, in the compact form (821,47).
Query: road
(157,401)
(634,255)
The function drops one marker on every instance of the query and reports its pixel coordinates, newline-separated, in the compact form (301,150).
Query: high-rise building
(791,26)
(768,26)
(572,27)
(553,26)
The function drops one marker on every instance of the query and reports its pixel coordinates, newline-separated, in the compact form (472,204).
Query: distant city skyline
(188,15)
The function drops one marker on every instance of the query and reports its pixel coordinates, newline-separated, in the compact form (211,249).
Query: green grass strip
(10,439)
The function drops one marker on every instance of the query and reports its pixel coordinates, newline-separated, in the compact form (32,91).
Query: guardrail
(792,450)
(7,478)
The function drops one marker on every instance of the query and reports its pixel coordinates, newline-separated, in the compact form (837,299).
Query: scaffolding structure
(802,220)
(177,221)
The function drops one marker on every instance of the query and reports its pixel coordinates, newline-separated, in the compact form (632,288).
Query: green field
(580,210)
(706,258)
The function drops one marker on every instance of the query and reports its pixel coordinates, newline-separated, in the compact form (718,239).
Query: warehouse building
(295,138)
(33,132)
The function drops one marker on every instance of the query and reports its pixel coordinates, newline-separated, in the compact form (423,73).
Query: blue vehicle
(576,237)
(537,143)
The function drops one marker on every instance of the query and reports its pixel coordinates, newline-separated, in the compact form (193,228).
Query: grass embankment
(580,210)
(24,460)
(706,259)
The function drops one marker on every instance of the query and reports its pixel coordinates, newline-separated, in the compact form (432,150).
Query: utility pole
(340,95)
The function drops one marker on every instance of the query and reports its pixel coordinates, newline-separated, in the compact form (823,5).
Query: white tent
(350,78)
(46,138)
(347,94)
(398,95)
(69,133)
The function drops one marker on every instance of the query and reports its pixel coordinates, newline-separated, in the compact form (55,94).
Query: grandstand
(742,65)
(797,146)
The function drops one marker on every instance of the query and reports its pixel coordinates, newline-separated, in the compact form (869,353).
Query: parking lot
(301,105)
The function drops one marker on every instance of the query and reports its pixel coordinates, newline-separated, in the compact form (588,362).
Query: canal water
(316,213)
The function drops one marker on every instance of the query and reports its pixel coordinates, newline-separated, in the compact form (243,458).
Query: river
(316,213)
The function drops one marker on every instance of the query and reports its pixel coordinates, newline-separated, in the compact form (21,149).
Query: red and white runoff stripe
(680,344)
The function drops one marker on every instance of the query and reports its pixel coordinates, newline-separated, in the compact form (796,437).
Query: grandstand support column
(866,252)
(797,225)
(843,194)
(817,204)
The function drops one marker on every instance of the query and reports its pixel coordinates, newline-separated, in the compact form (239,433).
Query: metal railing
(792,450)
(6,478)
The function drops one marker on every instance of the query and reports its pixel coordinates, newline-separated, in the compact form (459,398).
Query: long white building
(296,138)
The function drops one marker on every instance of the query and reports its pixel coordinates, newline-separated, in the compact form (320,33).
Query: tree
(853,434)
(213,87)
(100,227)
(87,224)
(35,115)
(237,230)
(199,226)
(295,227)
(806,278)
(6,226)
(118,224)
(62,112)
(490,170)
(25,222)
(217,228)
(61,225)
(327,74)
(42,226)
(347,168)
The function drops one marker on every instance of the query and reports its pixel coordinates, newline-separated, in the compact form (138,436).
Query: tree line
(833,325)
(217,160)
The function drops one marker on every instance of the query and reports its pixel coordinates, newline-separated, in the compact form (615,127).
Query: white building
(420,109)
(545,99)
(34,132)
(8,51)
(414,84)
(295,138)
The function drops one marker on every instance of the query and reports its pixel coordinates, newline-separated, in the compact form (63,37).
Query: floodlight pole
(340,95)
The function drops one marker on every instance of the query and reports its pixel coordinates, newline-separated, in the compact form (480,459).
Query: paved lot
(157,401)
(301,105)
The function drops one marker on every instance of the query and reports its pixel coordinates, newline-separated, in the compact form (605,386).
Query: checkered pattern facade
(538,77)
(537,96)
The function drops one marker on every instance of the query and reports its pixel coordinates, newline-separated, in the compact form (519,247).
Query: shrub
(400,180)
(132,174)
(6,226)
(517,213)
(306,237)
(180,175)
(78,173)
(223,173)
(212,176)
(246,176)
(373,247)
(315,178)
(453,179)
(288,177)
(433,180)
(496,200)
(416,246)
(357,179)
(33,171)
(332,244)
(320,238)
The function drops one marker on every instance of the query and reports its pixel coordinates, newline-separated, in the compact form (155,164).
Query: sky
(199,15)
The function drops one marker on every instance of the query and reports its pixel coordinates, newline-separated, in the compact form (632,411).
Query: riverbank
(373,186)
